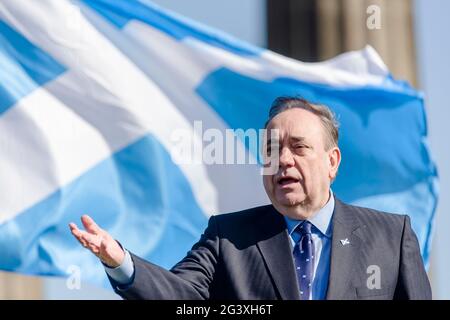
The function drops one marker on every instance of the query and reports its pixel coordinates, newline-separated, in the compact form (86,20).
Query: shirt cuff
(124,273)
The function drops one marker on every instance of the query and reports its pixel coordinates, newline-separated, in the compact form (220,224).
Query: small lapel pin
(345,241)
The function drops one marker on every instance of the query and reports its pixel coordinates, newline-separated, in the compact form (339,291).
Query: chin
(290,201)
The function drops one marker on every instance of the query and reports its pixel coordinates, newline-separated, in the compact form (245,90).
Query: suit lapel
(276,250)
(344,256)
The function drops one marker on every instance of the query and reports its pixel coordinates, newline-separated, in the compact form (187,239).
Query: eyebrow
(297,138)
(293,138)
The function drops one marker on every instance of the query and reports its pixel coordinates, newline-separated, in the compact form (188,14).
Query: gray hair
(325,114)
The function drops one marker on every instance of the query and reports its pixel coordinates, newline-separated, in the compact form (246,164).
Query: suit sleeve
(188,279)
(412,281)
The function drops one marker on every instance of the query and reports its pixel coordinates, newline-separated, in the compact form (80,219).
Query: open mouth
(283,181)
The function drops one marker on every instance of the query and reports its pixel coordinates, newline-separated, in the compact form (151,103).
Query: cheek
(304,167)
(323,170)
(312,170)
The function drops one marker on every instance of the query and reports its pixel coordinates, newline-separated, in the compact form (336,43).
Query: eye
(300,148)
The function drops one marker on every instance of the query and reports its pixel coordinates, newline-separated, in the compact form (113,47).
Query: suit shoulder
(243,216)
(246,227)
(373,217)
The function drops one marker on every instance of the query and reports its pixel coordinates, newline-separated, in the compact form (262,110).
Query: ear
(334,159)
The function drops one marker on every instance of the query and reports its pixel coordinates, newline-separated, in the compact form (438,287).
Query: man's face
(301,185)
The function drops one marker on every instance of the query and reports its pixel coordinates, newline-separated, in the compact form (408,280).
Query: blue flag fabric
(91,93)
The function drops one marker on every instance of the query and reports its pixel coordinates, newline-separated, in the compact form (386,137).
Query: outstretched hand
(98,241)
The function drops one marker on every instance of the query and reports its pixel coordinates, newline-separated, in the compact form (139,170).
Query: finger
(82,241)
(90,224)
(77,233)
(74,230)
(91,239)
(72,226)
(94,249)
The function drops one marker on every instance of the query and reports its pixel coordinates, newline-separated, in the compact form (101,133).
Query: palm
(98,241)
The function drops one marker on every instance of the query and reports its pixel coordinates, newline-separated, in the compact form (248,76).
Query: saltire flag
(92,91)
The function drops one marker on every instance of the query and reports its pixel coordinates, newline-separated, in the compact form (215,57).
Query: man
(306,245)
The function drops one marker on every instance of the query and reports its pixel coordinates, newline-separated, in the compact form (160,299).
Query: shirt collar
(321,220)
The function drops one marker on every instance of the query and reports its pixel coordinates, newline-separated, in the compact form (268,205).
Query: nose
(286,158)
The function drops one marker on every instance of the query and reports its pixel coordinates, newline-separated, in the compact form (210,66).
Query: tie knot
(304,228)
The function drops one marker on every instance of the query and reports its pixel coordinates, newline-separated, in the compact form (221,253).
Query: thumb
(111,252)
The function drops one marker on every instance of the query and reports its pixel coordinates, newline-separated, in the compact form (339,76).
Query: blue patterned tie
(304,259)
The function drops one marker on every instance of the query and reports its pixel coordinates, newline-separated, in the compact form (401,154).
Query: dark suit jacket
(248,255)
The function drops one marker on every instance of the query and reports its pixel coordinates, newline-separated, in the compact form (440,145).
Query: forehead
(297,122)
